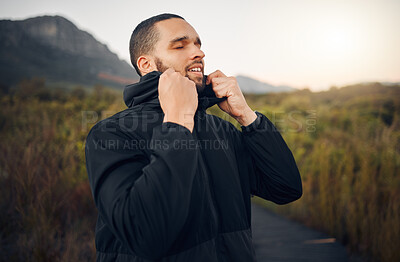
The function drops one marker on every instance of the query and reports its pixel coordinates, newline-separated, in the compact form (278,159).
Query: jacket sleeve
(274,175)
(144,204)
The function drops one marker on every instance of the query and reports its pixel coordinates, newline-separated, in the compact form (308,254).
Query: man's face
(178,47)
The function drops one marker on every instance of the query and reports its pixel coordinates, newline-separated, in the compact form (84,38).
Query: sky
(311,44)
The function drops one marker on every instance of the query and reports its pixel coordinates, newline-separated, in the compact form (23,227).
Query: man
(171,182)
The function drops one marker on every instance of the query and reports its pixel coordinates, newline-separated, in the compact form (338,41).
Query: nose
(197,53)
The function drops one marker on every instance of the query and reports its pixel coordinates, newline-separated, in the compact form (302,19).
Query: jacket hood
(146,91)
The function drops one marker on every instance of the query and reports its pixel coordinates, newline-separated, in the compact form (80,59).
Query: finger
(192,83)
(217,73)
(222,90)
(219,80)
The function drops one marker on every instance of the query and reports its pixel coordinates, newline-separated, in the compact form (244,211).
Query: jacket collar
(145,93)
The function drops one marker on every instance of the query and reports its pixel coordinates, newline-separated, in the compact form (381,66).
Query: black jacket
(166,194)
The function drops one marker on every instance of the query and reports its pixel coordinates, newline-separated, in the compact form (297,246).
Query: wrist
(248,117)
(186,120)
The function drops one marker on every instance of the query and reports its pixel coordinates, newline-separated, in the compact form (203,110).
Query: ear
(146,64)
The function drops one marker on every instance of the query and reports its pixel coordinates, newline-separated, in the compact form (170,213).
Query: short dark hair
(145,36)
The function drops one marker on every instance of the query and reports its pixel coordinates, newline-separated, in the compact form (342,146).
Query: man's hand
(178,98)
(235,104)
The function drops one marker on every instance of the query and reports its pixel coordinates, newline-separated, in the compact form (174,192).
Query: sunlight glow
(336,41)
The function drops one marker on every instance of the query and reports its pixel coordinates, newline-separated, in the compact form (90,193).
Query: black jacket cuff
(254,125)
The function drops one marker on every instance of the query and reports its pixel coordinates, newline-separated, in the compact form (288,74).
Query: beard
(199,81)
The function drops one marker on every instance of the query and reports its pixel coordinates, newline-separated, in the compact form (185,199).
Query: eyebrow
(183,38)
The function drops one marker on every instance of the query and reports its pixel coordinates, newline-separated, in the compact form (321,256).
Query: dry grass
(47,212)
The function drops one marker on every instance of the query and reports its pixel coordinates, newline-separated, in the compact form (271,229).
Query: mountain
(251,86)
(54,48)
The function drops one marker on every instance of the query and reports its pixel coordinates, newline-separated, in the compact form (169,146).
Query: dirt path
(278,239)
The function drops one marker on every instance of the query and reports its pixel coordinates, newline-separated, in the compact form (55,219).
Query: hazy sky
(302,43)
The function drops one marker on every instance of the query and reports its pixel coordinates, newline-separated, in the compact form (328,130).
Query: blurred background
(326,73)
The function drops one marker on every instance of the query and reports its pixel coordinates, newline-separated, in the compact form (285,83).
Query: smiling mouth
(195,69)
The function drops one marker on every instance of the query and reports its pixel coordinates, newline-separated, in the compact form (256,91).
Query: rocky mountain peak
(54,48)
(60,33)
